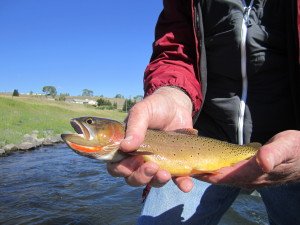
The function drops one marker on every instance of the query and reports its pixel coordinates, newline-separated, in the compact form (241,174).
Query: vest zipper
(245,24)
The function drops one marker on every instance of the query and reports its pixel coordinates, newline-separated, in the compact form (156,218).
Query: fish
(181,152)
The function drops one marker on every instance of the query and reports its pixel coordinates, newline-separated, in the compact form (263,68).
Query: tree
(128,105)
(16,93)
(115,105)
(138,98)
(119,96)
(63,96)
(87,92)
(104,104)
(50,91)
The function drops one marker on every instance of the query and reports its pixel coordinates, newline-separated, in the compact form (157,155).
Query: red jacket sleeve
(175,60)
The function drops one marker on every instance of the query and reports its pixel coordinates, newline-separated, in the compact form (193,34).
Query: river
(53,185)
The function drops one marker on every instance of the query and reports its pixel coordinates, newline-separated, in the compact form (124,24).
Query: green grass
(22,115)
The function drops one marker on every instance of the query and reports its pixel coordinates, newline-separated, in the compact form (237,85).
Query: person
(231,70)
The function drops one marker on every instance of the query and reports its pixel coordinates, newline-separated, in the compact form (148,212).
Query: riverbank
(30,122)
(30,142)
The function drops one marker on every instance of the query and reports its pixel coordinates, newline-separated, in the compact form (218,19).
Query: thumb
(137,124)
(271,155)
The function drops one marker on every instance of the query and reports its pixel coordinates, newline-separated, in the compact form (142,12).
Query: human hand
(166,109)
(277,162)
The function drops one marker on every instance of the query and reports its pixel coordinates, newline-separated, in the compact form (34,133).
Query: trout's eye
(89,121)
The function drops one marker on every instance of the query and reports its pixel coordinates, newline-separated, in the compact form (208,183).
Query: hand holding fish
(166,109)
(148,153)
(277,162)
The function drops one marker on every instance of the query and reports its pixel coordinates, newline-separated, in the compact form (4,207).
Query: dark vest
(269,106)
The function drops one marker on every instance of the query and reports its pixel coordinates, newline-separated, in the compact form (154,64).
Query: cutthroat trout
(180,152)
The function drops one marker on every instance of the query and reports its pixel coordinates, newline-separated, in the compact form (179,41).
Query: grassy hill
(22,115)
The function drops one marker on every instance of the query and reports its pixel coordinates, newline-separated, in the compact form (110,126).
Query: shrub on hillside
(16,93)
(128,105)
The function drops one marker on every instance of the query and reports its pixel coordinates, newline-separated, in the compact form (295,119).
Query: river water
(53,185)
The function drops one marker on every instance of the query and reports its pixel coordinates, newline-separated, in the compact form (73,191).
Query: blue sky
(100,45)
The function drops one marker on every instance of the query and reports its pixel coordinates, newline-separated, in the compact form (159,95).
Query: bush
(16,93)
(62,97)
(128,105)
(103,102)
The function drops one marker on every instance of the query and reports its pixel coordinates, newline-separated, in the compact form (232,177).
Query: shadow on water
(231,218)
(238,214)
(56,186)
(175,212)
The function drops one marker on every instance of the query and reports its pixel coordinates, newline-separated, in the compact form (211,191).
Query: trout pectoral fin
(202,172)
(141,153)
(112,147)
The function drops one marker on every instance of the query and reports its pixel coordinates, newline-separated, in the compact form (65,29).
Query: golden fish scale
(182,154)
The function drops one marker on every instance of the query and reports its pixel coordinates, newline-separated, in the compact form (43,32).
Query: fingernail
(271,162)
(267,165)
(128,138)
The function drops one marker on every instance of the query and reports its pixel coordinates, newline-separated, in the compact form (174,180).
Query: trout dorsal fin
(184,131)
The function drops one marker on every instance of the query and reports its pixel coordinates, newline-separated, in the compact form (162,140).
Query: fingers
(138,173)
(160,178)
(143,175)
(185,184)
(125,167)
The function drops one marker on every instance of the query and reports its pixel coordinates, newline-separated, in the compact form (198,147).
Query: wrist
(177,95)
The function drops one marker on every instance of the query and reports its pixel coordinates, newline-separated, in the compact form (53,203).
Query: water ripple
(56,186)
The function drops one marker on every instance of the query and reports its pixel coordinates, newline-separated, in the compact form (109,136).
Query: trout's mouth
(82,141)
(80,129)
